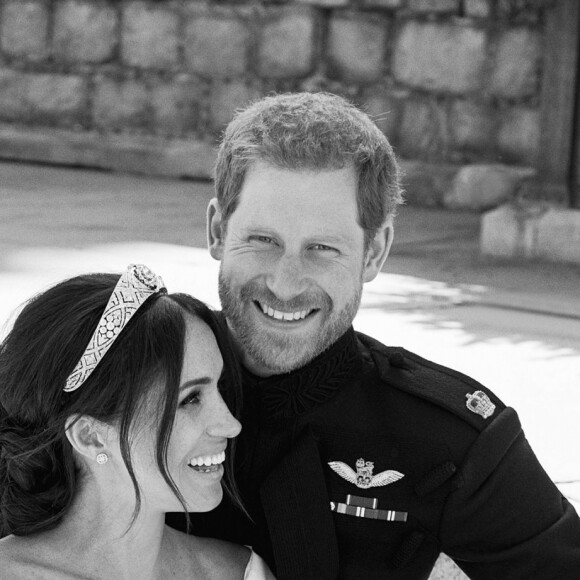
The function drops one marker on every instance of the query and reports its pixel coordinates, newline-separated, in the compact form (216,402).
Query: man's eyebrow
(332,238)
(195,382)
(259,229)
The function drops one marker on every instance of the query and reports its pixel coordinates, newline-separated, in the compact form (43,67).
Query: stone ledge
(130,153)
(533,231)
(425,183)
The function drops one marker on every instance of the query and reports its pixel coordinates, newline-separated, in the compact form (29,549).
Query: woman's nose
(224,424)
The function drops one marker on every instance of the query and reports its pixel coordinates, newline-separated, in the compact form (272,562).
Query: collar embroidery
(294,393)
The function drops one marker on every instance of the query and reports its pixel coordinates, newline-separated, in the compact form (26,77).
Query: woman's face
(203,424)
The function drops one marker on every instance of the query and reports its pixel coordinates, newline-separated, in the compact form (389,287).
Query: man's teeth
(208,460)
(299,315)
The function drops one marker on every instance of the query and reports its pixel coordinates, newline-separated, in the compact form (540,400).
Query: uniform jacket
(467,483)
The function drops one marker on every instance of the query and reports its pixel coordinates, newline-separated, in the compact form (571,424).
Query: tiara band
(133,288)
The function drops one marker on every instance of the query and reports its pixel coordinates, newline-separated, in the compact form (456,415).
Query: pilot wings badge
(363,477)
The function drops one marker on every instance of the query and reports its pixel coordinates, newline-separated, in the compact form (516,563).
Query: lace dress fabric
(257,569)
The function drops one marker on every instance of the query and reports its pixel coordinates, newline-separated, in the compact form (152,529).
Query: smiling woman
(115,402)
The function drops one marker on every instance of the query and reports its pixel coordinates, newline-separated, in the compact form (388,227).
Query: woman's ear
(87,435)
(215,230)
(378,251)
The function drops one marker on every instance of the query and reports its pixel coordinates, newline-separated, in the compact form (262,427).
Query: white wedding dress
(257,569)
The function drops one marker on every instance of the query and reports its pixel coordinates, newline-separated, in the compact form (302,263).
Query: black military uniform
(370,461)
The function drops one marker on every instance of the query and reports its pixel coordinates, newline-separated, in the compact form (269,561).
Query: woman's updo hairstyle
(38,473)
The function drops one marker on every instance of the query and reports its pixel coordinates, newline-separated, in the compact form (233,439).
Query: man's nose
(224,424)
(287,278)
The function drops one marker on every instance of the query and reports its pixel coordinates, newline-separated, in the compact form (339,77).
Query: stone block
(472,126)
(481,187)
(439,56)
(559,235)
(516,64)
(225,98)
(56,98)
(384,109)
(425,184)
(356,46)
(286,47)
(432,6)
(518,138)
(42,98)
(423,131)
(24,29)
(13,91)
(477,8)
(501,235)
(534,231)
(120,104)
(167,103)
(84,31)
(512,11)
(176,105)
(216,46)
(150,36)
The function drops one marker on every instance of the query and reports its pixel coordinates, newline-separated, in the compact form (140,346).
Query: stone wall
(449,81)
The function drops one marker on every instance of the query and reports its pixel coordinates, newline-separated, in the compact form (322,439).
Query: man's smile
(293,316)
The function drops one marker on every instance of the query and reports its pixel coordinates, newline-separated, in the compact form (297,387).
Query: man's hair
(311,131)
(39,477)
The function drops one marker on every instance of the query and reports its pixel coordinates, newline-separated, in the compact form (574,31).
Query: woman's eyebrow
(195,382)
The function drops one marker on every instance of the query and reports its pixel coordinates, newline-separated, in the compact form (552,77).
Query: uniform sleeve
(507,519)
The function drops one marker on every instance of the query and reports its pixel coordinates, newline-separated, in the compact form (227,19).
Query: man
(356,460)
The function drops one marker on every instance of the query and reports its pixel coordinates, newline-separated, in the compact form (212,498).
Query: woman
(111,414)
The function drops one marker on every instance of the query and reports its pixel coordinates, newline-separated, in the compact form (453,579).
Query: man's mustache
(308,300)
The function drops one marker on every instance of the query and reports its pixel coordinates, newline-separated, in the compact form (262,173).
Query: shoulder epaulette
(440,385)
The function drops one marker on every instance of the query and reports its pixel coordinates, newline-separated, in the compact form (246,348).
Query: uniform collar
(292,394)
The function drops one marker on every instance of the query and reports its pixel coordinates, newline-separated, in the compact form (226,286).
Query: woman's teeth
(207,463)
(278,315)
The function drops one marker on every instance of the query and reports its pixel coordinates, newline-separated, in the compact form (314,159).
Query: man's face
(293,264)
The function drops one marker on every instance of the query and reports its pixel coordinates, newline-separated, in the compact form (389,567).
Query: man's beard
(273,350)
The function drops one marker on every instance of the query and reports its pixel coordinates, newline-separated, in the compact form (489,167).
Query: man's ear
(215,230)
(87,435)
(378,251)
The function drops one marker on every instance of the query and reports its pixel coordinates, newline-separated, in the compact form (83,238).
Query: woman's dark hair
(38,474)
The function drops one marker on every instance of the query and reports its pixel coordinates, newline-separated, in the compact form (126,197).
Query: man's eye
(263,239)
(193,398)
(323,248)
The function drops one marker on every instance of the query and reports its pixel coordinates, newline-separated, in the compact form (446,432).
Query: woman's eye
(192,399)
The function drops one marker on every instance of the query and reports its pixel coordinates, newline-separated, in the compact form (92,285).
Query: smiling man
(356,460)
(292,272)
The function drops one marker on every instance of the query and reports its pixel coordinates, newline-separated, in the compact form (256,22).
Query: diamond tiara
(136,284)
